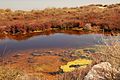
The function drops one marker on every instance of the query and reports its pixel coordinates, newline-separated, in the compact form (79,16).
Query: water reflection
(51,39)
(47,33)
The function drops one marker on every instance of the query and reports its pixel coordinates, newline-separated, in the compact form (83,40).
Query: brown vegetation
(104,17)
(47,64)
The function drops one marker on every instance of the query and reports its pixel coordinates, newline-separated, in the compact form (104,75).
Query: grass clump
(16,74)
(77,74)
(110,51)
(11,74)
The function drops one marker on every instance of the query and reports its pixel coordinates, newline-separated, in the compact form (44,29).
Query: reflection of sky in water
(58,40)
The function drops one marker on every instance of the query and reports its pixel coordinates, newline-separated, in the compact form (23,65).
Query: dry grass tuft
(16,74)
(74,75)
(110,51)
(12,74)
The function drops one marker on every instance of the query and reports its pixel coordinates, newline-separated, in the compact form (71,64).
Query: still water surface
(57,40)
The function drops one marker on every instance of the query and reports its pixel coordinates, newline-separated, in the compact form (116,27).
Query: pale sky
(41,4)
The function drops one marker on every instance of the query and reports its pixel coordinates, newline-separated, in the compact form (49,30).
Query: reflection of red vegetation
(104,17)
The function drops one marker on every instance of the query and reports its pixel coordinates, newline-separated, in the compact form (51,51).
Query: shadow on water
(49,39)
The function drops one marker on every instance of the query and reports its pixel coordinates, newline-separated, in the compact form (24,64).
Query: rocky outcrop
(102,71)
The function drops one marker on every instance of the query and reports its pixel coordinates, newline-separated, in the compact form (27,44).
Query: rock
(49,52)
(89,50)
(88,27)
(102,71)
(35,54)
(30,61)
(17,55)
(83,56)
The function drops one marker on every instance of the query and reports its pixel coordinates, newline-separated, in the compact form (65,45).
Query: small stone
(17,55)
(49,52)
(35,54)
(30,61)
(88,27)
(83,57)
(90,50)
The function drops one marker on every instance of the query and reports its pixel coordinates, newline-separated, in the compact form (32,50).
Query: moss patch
(79,63)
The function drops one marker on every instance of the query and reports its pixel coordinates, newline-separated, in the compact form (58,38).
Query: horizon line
(59,7)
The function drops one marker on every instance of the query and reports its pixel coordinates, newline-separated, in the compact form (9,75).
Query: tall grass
(110,50)
(12,74)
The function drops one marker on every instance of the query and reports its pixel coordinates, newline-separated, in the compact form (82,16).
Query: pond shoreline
(49,59)
(60,43)
(84,18)
(50,32)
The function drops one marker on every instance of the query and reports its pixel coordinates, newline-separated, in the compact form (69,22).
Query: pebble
(17,55)
(35,54)
(30,61)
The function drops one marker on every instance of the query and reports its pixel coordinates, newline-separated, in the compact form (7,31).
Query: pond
(56,40)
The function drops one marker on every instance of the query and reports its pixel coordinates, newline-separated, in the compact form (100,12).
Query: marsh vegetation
(78,43)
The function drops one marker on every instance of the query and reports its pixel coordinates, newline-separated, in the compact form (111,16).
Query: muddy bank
(47,33)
